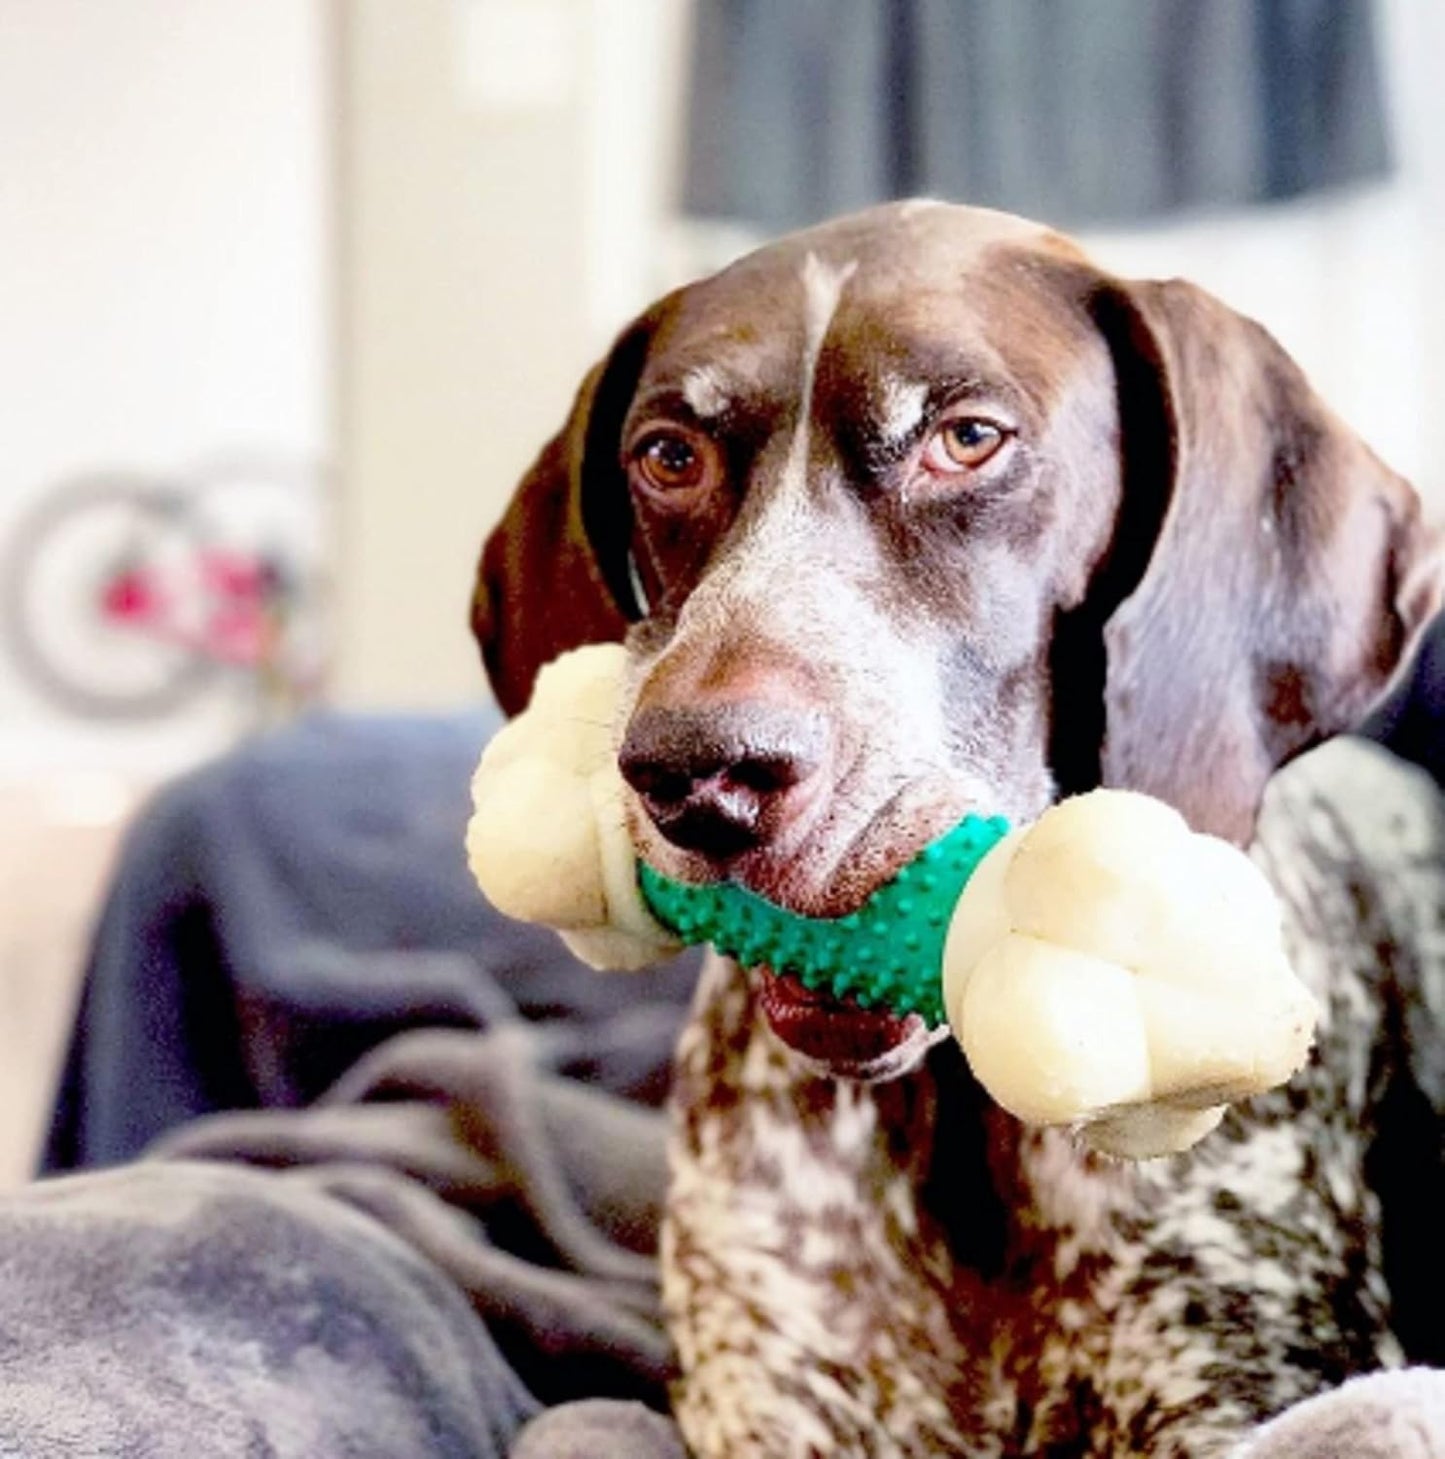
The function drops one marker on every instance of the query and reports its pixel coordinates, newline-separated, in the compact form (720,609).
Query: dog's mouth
(838,1036)
(832,1032)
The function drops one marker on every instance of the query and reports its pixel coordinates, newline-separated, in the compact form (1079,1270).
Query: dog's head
(919,513)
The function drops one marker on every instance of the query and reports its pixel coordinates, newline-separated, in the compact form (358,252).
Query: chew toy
(1105,968)
(887,954)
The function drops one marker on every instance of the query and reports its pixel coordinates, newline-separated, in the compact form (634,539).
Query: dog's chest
(816,1304)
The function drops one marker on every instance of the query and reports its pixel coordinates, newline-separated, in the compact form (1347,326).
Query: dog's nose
(722,779)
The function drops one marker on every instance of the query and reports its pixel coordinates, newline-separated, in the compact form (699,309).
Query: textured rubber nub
(886,955)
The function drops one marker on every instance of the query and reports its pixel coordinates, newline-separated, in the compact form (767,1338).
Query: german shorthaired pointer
(917,513)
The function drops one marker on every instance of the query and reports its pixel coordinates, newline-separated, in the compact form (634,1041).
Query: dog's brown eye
(963,444)
(670,461)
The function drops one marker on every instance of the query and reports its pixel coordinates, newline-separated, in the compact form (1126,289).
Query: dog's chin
(836,1039)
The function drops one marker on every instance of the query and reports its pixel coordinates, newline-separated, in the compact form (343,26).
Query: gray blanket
(401,1157)
(453,1240)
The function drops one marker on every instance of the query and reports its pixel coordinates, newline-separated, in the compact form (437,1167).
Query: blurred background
(292,290)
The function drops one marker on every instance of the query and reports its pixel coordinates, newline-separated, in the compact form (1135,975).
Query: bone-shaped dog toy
(1105,968)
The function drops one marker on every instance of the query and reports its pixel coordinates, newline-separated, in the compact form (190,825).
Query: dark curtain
(1072,111)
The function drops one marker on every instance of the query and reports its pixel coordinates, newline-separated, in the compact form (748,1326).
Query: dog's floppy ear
(1290,577)
(554,573)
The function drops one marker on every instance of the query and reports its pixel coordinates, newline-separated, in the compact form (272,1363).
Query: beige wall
(481,268)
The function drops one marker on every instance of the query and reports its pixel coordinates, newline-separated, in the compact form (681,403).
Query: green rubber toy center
(886,955)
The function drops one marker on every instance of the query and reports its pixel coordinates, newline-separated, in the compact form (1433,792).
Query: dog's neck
(945,1164)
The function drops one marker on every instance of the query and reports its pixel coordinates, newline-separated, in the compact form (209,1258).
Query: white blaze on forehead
(903,404)
(822,288)
(707,391)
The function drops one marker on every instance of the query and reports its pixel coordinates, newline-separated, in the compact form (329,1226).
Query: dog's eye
(672,461)
(963,444)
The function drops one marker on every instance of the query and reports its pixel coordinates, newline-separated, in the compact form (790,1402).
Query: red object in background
(241,592)
(130,597)
(237,607)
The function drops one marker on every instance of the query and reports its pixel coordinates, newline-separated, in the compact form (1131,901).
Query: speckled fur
(898,1269)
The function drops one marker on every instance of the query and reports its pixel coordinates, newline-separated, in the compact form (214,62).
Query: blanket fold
(298,1002)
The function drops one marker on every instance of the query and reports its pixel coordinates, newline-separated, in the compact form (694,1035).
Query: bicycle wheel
(68,622)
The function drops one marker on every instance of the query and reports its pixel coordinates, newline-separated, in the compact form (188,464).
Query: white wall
(164,184)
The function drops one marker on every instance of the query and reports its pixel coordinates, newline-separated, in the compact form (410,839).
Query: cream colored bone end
(1052,1034)
(1109,968)
(548,840)
(532,845)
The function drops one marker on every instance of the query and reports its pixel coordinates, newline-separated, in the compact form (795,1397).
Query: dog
(917,513)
